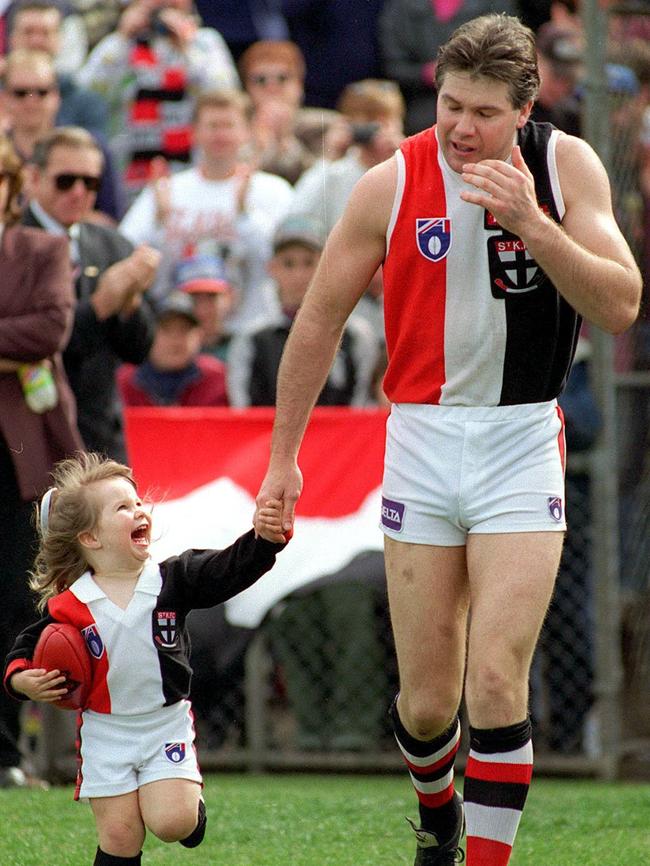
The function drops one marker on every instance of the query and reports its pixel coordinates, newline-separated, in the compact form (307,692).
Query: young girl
(137,762)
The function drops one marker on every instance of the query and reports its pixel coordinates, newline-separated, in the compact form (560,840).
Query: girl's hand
(268,522)
(40,685)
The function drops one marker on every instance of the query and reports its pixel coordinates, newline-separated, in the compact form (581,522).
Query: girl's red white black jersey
(140,656)
(471,320)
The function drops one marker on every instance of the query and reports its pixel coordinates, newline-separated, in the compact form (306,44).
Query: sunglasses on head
(24,92)
(64,182)
(263,80)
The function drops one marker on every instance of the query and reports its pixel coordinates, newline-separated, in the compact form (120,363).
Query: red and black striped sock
(431,766)
(497,778)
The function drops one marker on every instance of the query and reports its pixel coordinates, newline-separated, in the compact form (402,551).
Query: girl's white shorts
(454,470)
(118,754)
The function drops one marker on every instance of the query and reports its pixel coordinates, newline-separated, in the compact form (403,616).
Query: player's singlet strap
(554,177)
(415,283)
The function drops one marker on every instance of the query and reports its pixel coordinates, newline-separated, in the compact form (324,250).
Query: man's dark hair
(495,46)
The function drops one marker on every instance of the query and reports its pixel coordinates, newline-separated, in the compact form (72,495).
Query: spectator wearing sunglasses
(38,25)
(30,97)
(273,73)
(31,102)
(113,320)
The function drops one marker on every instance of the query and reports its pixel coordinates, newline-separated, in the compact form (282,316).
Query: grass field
(305,820)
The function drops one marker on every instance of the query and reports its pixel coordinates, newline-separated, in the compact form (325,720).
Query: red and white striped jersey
(471,320)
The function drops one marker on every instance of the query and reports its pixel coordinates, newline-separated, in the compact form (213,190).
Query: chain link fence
(629,161)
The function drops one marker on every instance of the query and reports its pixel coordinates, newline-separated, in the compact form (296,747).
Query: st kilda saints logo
(513,270)
(165,633)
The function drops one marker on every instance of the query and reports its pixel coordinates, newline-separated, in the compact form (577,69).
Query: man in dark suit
(113,321)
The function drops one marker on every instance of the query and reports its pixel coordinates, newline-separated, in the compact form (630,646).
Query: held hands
(40,685)
(268,522)
(280,490)
(507,191)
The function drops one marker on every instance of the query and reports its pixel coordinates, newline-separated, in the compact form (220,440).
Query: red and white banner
(202,469)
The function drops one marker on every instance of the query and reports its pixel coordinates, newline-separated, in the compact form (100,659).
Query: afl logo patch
(175,752)
(555,507)
(93,641)
(433,237)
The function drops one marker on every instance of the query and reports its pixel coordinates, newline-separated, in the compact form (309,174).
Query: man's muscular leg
(511,580)
(428,596)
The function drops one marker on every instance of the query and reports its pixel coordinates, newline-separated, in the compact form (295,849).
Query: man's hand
(337,139)
(272,124)
(39,684)
(243,175)
(121,286)
(181,26)
(7,365)
(143,265)
(159,178)
(136,18)
(282,485)
(507,191)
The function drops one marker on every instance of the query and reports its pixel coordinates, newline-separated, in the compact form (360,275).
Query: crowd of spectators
(192,157)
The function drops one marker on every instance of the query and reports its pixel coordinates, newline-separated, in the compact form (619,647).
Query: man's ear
(524,114)
(89,539)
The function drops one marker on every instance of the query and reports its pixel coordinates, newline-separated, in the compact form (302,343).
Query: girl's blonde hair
(68,510)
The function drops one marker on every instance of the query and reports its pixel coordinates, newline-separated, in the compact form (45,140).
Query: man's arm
(587,258)
(354,250)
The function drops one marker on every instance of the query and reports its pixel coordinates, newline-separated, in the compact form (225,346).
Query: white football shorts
(454,470)
(118,754)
